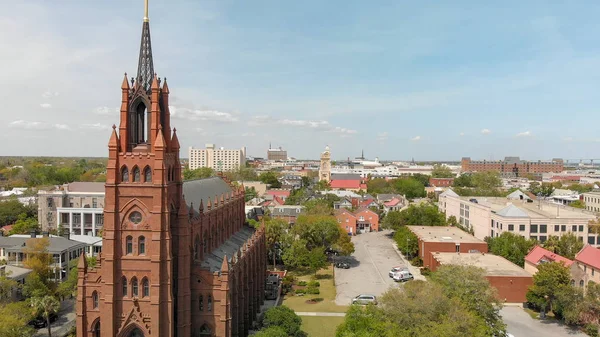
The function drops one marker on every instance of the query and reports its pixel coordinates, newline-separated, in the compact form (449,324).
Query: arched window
(204,245)
(136,174)
(145,288)
(581,283)
(95,300)
(197,248)
(136,333)
(134,287)
(129,245)
(201,303)
(148,174)
(141,245)
(572,283)
(97,329)
(205,330)
(125,174)
(209,303)
(124,285)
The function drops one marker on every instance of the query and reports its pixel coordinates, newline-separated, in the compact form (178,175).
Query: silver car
(396,269)
(365,299)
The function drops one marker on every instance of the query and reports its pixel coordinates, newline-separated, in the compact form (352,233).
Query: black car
(343,265)
(40,322)
(331,251)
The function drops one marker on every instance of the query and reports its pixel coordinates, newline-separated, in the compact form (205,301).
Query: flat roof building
(218,159)
(511,281)
(433,239)
(492,216)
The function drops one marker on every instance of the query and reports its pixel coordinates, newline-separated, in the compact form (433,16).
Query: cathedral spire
(145,71)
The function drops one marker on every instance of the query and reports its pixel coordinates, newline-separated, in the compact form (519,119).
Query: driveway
(520,324)
(373,258)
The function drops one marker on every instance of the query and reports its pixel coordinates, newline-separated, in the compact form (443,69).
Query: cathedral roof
(204,190)
(229,248)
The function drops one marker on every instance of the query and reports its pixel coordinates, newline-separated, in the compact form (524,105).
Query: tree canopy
(409,187)
(547,283)
(199,173)
(511,246)
(567,245)
(270,178)
(423,214)
(284,318)
(12,210)
(441,171)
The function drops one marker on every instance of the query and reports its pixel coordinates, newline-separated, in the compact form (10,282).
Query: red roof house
(283,194)
(589,256)
(586,267)
(540,255)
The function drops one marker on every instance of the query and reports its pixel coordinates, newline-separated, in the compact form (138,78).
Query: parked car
(365,299)
(396,269)
(343,265)
(40,322)
(403,276)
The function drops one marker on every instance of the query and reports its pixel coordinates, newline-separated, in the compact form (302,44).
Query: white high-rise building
(218,159)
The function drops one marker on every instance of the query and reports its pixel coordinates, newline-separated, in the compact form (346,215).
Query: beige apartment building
(490,217)
(218,159)
(592,201)
(78,207)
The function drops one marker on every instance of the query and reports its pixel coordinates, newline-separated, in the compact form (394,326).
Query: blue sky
(399,80)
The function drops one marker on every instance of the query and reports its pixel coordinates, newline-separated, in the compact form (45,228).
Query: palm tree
(46,306)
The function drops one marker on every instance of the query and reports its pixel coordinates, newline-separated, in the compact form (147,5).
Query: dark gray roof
(387,197)
(214,260)
(345,176)
(287,210)
(57,244)
(204,189)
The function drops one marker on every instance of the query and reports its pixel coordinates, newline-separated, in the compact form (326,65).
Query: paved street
(520,324)
(64,322)
(373,258)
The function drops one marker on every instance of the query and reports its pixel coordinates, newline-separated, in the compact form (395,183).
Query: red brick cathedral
(178,259)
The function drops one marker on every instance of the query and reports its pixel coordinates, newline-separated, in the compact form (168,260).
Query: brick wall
(511,289)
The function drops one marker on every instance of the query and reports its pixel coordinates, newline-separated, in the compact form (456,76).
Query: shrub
(314,284)
(417,262)
(312,291)
(425,271)
(301,291)
(285,318)
(301,283)
(286,284)
(318,299)
(591,330)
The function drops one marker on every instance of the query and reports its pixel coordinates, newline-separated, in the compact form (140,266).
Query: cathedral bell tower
(132,291)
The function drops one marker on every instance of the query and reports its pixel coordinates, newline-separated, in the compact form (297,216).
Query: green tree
(577,204)
(392,220)
(543,189)
(469,285)
(569,304)
(276,230)
(14,318)
(441,171)
(365,322)
(297,255)
(322,185)
(407,242)
(422,178)
(410,188)
(344,244)
(511,246)
(488,180)
(379,186)
(567,245)
(284,318)
(419,215)
(316,259)
(24,225)
(317,230)
(45,306)
(199,173)
(7,287)
(272,331)
(250,193)
(12,208)
(547,282)
(463,180)
(270,178)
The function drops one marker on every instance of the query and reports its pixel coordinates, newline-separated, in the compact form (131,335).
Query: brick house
(441,182)
(362,221)
(540,255)
(432,239)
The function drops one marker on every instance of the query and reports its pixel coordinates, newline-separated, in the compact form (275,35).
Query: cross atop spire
(145,71)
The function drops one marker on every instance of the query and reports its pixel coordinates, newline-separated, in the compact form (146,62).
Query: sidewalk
(323,314)
(412,269)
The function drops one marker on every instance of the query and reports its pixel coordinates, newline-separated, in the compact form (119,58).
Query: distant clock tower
(325,169)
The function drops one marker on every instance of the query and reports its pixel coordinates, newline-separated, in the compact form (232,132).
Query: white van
(403,276)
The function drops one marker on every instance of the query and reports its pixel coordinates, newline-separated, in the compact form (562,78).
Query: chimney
(33,234)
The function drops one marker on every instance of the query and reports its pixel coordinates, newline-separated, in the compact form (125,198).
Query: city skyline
(400,81)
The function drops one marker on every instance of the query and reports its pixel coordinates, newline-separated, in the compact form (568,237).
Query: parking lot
(373,258)
(520,324)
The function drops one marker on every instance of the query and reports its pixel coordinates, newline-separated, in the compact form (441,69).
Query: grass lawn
(317,326)
(327,293)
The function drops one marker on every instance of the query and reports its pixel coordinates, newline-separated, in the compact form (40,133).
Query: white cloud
(524,134)
(32,125)
(486,131)
(46,105)
(106,111)
(95,126)
(49,94)
(461,134)
(321,125)
(202,115)
(416,138)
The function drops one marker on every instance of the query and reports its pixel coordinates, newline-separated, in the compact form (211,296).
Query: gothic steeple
(145,71)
